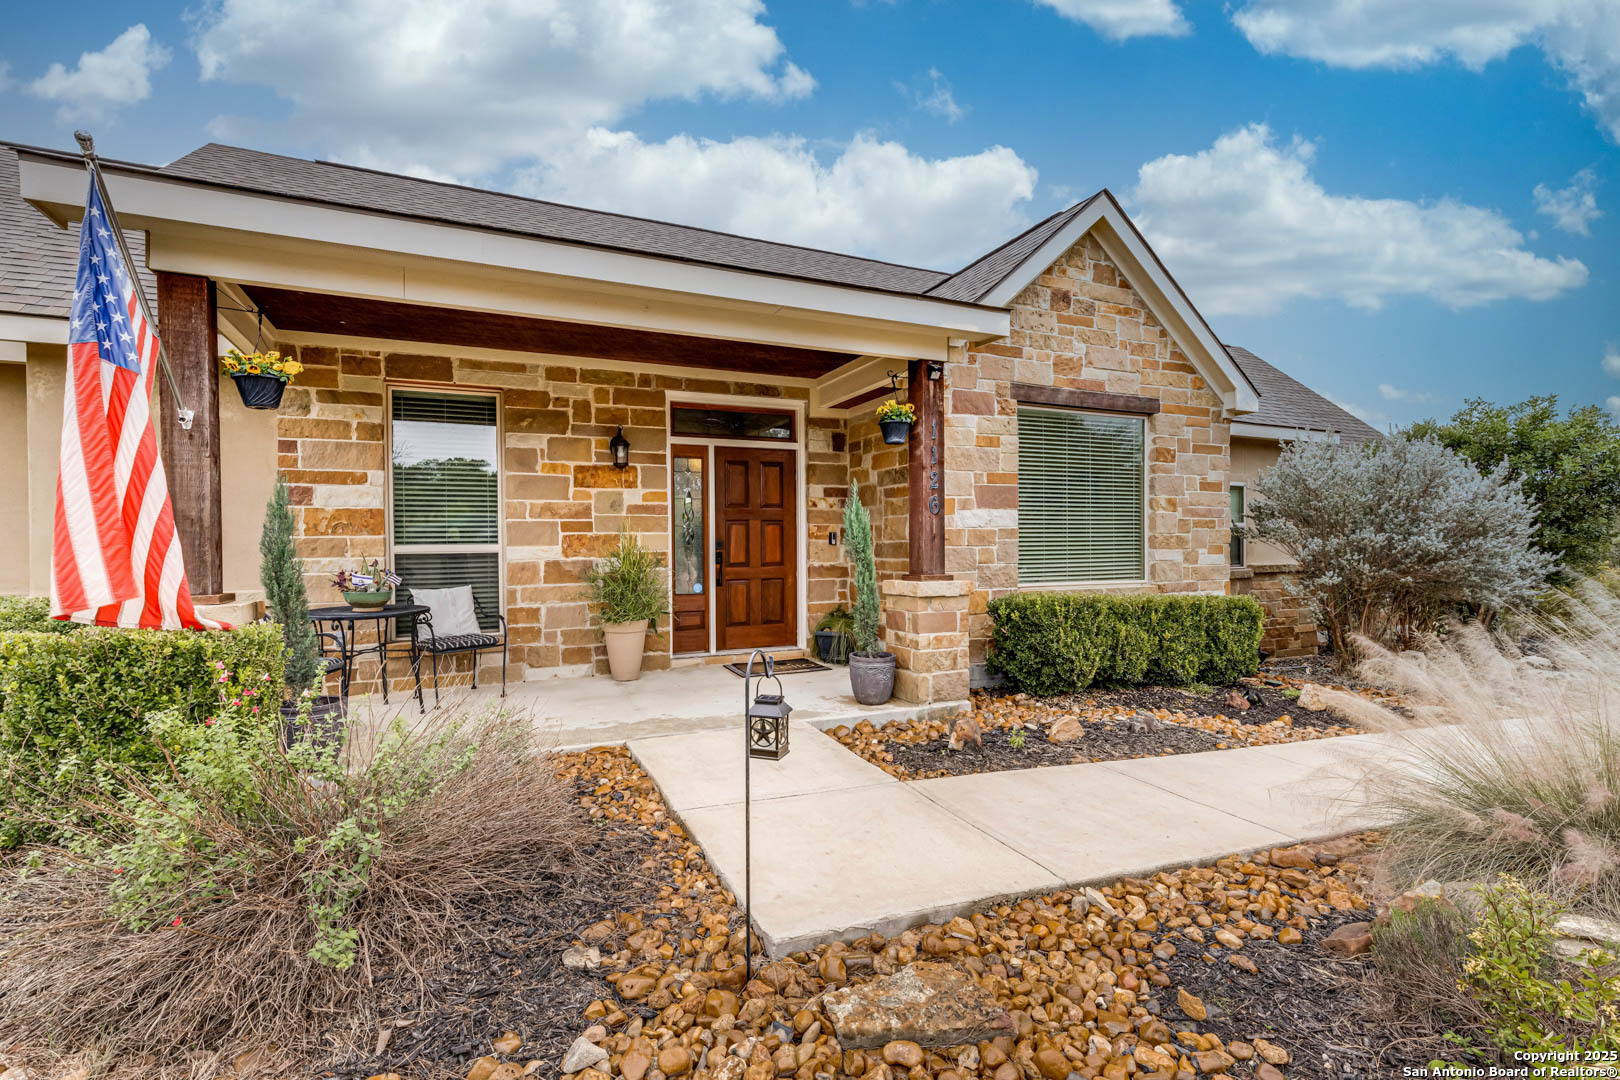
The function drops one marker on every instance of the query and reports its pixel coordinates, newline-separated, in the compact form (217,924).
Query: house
(469,357)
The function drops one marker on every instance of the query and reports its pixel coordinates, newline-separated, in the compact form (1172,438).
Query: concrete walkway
(840,848)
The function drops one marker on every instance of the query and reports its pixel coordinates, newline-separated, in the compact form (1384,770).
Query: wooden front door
(757,559)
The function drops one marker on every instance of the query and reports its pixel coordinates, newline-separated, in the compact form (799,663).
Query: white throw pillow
(452,610)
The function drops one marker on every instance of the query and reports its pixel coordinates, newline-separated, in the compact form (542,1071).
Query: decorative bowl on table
(368,600)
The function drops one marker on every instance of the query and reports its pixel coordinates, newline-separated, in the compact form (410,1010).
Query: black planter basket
(895,432)
(259,391)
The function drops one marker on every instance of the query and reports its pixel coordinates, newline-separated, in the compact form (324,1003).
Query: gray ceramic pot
(871,677)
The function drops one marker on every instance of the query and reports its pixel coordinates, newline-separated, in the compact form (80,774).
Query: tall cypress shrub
(282,576)
(858,542)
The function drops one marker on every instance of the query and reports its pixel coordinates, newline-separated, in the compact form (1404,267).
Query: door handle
(719,564)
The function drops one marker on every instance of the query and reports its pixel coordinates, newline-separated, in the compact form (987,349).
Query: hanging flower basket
(896,418)
(260,378)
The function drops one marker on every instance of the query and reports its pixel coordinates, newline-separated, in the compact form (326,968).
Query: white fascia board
(1275,433)
(146,200)
(1168,303)
(39,329)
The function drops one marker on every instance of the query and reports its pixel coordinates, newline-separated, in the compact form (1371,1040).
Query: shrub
(1057,643)
(72,705)
(858,549)
(1570,469)
(282,575)
(627,585)
(1500,766)
(251,892)
(1393,537)
(31,613)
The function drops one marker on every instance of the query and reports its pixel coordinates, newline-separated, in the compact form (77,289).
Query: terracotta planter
(259,391)
(895,432)
(871,677)
(625,643)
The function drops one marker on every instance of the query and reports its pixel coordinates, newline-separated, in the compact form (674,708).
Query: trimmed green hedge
(30,613)
(1057,643)
(71,702)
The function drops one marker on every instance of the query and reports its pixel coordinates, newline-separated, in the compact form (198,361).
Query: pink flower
(223,676)
(237,701)
(118,869)
(255,710)
(208,722)
(176,921)
(264,676)
(219,665)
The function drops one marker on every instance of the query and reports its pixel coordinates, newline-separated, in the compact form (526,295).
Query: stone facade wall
(827,483)
(881,471)
(1082,326)
(1291,629)
(564,501)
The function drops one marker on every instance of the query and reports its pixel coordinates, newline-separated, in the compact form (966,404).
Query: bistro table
(345,622)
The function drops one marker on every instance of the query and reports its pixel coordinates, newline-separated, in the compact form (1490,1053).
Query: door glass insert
(718,423)
(688,526)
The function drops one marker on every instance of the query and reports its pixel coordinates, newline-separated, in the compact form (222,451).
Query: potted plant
(260,377)
(834,633)
(896,418)
(871,670)
(282,575)
(367,588)
(628,592)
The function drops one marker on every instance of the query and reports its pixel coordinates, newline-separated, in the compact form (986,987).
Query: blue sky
(1401,204)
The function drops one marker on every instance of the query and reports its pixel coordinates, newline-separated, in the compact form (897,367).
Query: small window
(1080,497)
(445,494)
(1238,495)
(723,423)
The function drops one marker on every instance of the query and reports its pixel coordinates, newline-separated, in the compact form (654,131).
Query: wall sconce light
(621,450)
(936,371)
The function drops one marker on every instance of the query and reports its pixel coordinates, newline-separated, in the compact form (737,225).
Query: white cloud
(120,74)
(1121,19)
(933,97)
(1374,417)
(1571,208)
(873,197)
(1580,37)
(1396,393)
(1613,405)
(1247,228)
(1611,361)
(463,89)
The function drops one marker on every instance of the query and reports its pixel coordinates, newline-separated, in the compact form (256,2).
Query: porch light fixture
(765,735)
(621,450)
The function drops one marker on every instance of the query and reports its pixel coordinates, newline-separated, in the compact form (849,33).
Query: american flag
(116,559)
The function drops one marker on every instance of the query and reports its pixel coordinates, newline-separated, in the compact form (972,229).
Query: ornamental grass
(250,897)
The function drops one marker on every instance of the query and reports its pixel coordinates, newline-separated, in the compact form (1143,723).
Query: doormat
(782,667)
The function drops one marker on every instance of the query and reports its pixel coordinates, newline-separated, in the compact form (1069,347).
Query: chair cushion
(459,642)
(452,610)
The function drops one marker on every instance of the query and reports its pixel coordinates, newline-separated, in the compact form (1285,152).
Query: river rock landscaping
(1208,970)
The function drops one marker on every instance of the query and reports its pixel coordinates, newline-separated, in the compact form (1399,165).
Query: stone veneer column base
(1290,627)
(925,626)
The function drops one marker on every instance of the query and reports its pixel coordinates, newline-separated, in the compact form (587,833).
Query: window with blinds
(1080,497)
(445,492)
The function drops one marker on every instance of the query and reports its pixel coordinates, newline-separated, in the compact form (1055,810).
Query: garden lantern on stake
(765,734)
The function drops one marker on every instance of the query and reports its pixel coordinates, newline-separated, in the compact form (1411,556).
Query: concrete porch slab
(706,768)
(1089,824)
(578,712)
(835,865)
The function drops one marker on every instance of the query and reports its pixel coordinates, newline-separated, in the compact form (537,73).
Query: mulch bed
(507,974)
(1308,1002)
(1102,742)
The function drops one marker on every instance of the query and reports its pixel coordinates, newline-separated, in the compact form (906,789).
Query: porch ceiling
(326,313)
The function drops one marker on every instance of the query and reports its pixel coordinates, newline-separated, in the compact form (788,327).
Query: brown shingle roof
(976,280)
(1287,402)
(37,259)
(368,189)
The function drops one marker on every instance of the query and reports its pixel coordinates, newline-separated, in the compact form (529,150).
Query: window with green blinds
(1080,509)
(445,492)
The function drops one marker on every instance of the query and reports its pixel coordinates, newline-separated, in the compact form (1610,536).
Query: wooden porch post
(926,479)
(186,314)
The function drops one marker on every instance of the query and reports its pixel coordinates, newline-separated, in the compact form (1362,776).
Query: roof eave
(1125,244)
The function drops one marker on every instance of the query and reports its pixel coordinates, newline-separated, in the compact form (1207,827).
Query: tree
(1393,537)
(282,576)
(858,543)
(1570,469)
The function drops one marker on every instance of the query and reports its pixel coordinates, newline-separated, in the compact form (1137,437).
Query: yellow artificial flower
(293,367)
(253,369)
